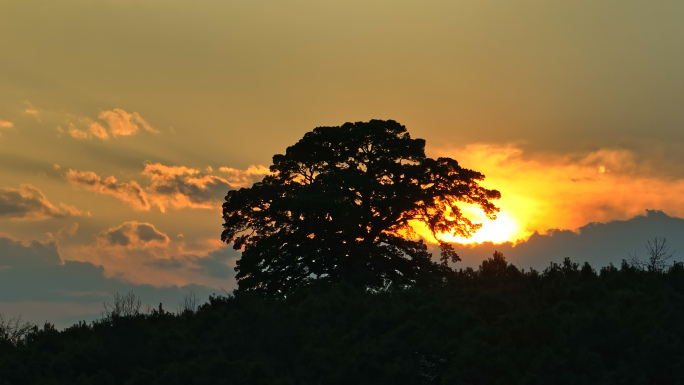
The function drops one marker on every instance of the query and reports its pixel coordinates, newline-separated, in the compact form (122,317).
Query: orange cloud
(116,122)
(32,110)
(83,128)
(97,130)
(140,253)
(5,124)
(243,178)
(129,192)
(64,232)
(542,192)
(76,133)
(122,123)
(28,202)
(180,187)
(133,235)
(175,187)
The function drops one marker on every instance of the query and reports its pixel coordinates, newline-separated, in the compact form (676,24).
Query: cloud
(15,254)
(32,110)
(113,123)
(122,123)
(597,243)
(76,133)
(219,263)
(140,252)
(83,128)
(97,130)
(64,232)
(35,274)
(243,178)
(180,187)
(129,192)
(133,235)
(28,202)
(5,124)
(174,187)
(541,191)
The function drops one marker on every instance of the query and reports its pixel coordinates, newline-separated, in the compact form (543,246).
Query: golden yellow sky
(123,123)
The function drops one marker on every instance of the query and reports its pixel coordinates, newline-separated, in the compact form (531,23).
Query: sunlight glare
(503,229)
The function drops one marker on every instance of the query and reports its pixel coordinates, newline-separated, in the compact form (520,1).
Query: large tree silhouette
(339,205)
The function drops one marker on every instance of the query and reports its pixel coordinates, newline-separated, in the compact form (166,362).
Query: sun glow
(502,229)
(505,228)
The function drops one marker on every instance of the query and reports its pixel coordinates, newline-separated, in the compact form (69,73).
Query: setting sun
(505,228)
(502,229)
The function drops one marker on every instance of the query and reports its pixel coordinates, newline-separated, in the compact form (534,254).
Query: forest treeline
(497,324)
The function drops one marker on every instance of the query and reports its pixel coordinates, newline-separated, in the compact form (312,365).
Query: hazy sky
(124,122)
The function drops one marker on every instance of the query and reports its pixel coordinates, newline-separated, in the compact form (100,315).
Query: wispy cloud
(129,192)
(76,133)
(64,232)
(118,121)
(28,202)
(122,123)
(109,124)
(243,178)
(5,124)
(83,128)
(32,110)
(174,187)
(97,130)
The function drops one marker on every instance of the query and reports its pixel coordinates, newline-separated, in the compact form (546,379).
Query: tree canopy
(339,206)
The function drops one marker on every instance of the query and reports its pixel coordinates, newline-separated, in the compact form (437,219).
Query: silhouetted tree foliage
(493,325)
(338,207)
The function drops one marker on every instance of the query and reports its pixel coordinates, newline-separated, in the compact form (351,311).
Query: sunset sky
(123,123)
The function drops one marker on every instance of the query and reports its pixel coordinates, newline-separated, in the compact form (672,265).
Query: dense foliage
(495,325)
(338,206)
